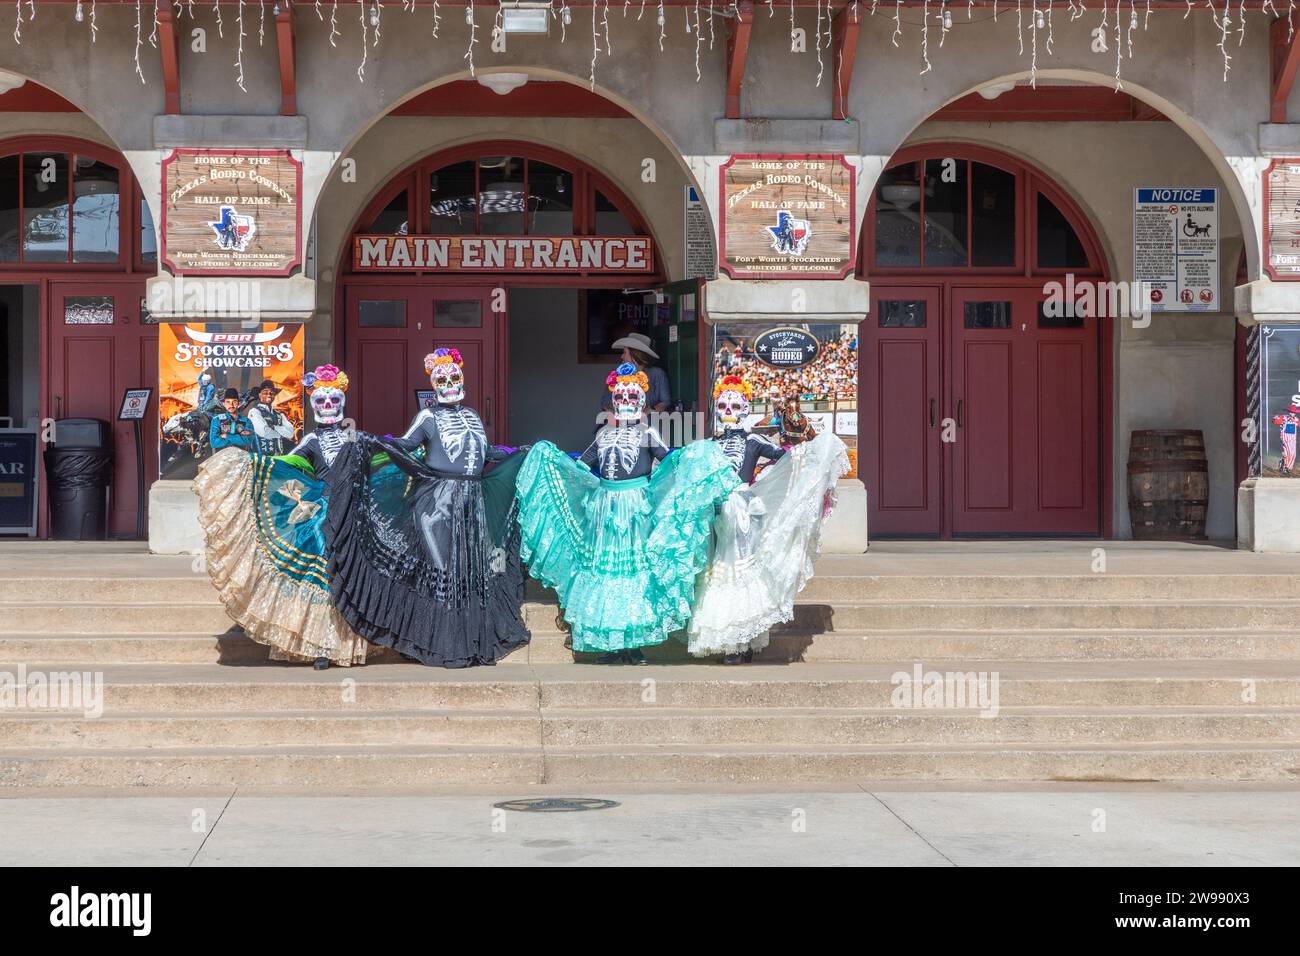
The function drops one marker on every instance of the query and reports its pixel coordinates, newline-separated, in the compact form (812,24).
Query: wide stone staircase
(1178,664)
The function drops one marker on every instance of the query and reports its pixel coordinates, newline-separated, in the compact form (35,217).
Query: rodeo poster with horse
(220,381)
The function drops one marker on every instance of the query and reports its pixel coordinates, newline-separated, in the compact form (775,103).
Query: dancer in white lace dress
(766,534)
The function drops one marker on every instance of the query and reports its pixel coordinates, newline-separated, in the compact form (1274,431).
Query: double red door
(980,414)
(99,344)
(388,331)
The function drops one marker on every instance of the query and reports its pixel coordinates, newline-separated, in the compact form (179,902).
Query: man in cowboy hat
(272,428)
(637,349)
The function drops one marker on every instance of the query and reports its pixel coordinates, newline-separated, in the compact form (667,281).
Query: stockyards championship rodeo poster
(198,363)
(1280,400)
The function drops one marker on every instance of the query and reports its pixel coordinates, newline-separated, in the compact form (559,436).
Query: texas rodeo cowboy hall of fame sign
(231,212)
(787,217)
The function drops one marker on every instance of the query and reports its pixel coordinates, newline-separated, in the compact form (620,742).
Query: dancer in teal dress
(622,546)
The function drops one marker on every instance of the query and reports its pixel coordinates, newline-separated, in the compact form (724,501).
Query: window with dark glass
(458,314)
(381,313)
(898,217)
(96,211)
(10,215)
(902,314)
(550,200)
(945,212)
(987,315)
(1060,315)
(453,200)
(610,221)
(45,207)
(1059,246)
(501,196)
(87,310)
(992,216)
(392,220)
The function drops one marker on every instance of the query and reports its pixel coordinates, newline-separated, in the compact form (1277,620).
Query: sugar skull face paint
(629,401)
(327,405)
(448,382)
(731,407)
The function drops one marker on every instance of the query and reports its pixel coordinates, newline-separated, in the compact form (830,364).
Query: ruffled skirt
(423,563)
(264,527)
(622,556)
(767,536)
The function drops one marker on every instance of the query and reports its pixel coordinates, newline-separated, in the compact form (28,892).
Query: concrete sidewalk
(1071,826)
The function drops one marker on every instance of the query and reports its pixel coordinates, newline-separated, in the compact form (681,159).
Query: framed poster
(605,316)
(229,212)
(199,361)
(787,217)
(1279,400)
(1282,220)
(18,477)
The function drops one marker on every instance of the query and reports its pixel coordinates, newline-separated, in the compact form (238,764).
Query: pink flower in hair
(327,373)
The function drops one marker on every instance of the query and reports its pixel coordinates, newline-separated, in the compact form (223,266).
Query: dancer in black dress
(425,553)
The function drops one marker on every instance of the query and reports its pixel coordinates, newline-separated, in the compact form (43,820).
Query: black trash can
(79,469)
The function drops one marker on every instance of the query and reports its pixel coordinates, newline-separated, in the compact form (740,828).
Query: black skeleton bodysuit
(744,450)
(625,451)
(454,441)
(321,447)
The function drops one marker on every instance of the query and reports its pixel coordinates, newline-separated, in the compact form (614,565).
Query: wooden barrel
(1168,485)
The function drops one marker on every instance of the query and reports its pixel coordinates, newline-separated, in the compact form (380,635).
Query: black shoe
(748,656)
(635,656)
(733,659)
(321,664)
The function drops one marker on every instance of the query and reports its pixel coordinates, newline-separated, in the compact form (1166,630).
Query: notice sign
(231,212)
(701,261)
(598,254)
(134,403)
(1176,247)
(1282,219)
(787,217)
(18,481)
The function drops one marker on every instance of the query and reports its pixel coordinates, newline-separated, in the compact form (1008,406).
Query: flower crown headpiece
(733,383)
(325,376)
(628,374)
(442,357)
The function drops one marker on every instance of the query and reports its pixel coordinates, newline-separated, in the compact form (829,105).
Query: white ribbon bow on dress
(293,489)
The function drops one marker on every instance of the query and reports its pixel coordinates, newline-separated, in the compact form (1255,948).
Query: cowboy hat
(635,341)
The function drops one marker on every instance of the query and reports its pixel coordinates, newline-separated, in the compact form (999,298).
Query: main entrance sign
(503,254)
(231,212)
(787,217)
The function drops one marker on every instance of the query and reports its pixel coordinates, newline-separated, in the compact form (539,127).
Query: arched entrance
(983,410)
(76,247)
(527,307)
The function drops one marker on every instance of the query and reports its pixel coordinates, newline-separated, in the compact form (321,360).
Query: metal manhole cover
(556,804)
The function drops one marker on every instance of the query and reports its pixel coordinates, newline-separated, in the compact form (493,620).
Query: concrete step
(652,726)
(547,647)
(210,618)
(302,769)
(200,688)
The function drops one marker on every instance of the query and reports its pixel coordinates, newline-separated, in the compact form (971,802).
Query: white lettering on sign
(504,254)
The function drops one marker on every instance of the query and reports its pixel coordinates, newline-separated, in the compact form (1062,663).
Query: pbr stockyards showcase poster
(1280,409)
(198,366)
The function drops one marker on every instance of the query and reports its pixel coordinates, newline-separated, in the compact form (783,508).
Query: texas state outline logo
(233,231)
(789,236)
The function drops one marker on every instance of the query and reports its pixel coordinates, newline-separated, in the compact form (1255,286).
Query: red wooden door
(902,457)
(1022,388)
(389,330)
(97,347)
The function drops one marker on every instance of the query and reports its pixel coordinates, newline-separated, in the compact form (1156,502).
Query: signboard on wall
(1282,219)
(615,255)
(1279,405)
(197,362)
(18,473)
(701,260)
(1176,247)
(231,212)
(787,217)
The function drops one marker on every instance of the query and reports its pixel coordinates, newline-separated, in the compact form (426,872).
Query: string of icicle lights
(1116,23)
